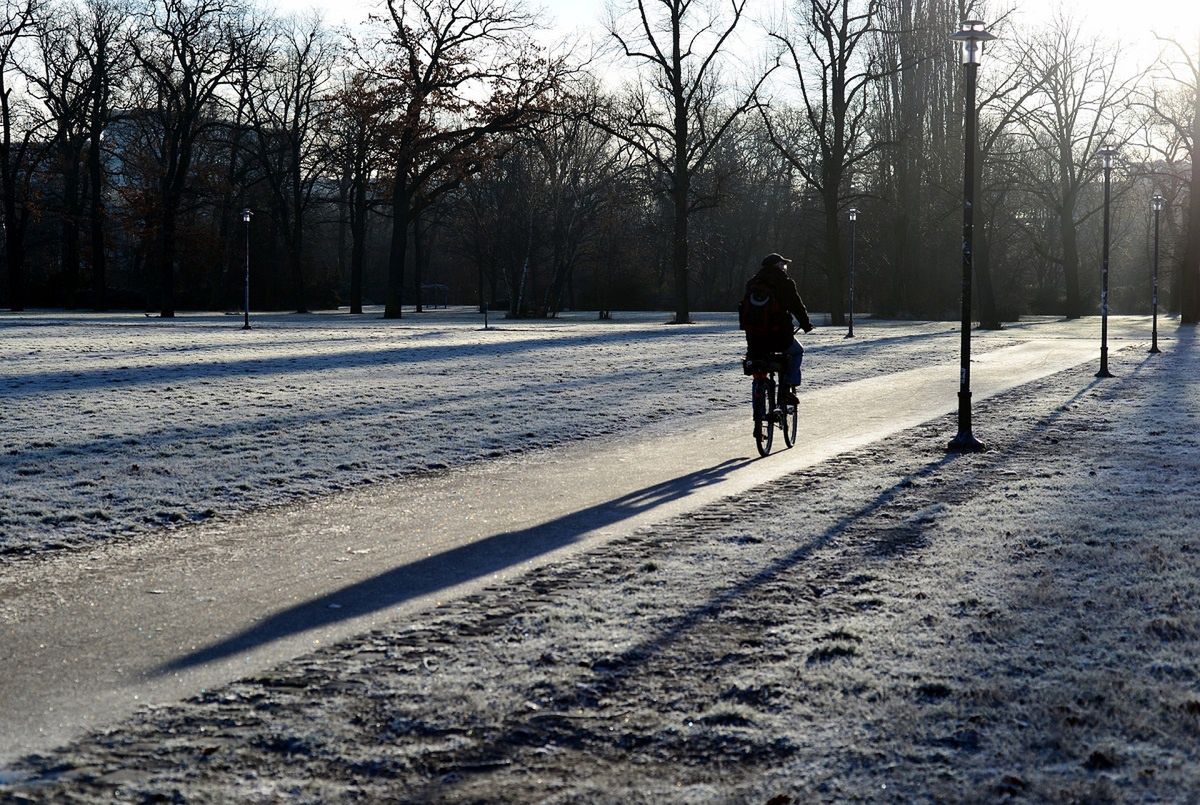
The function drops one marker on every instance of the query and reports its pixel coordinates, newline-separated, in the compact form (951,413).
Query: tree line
(442,151)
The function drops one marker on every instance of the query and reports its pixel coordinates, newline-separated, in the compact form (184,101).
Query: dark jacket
(783,288)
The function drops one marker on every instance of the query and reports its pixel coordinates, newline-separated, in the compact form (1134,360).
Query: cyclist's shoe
(758,431)
(790,398)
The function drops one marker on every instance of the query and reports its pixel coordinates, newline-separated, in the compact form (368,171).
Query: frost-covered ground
(895,624)
(121,424)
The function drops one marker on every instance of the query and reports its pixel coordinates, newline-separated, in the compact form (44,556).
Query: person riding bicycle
(766,313)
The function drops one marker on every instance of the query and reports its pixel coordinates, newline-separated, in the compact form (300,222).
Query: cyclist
(766,315)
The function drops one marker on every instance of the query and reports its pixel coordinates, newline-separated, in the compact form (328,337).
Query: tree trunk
(560,267)
(295,253)
(1070,264)
(14,250)
(989,318)
(398,252)
(296,246)
(679,254)
(345,188)
(358,239)
(179,159)
(219,276)
(834,273)
(14,259)
(680,182)
(911,135)
(69,255)
(558,263)
(418,255)
(1189,277)
(165,249)
(220,270)
(96,224)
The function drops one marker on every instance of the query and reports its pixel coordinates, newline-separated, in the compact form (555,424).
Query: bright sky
(569,13)
(1134,23)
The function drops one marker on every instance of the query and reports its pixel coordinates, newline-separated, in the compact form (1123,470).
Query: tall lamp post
(1157,204)
(247,214)
(1107,154)
(972,36)
(853,213)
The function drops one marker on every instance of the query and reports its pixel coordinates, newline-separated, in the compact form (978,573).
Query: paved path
(89,641)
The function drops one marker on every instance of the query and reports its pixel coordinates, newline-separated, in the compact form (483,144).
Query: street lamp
(853,213)
(1157,204)
(247,214)
(972,36)
(1106,153)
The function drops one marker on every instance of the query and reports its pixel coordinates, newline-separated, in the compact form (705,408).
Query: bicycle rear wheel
(787,423)
(764,421)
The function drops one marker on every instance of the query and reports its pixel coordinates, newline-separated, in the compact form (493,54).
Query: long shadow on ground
(453,567)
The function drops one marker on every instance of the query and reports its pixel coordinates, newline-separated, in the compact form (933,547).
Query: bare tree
(674,114)
(465,71)
(291,111)
(186,52)
(581,164)
(1005,103)
(827,141)
(73,76)
(107,55)
(361,126)
(1079,108)
(58,78)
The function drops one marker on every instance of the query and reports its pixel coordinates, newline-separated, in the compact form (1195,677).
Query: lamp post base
(849,334)
(247,327)
(964,442)
(1104,372)
(1154,350)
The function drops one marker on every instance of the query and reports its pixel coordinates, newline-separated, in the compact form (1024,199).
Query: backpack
(767,323)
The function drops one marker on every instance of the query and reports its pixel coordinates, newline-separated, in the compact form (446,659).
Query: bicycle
(768,414)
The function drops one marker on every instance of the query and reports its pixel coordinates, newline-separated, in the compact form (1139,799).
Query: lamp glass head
(246,213)
(1107,153)
(853,212)
(972,35)
(1157,201)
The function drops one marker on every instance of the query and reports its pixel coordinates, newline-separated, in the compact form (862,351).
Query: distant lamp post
(247,214)
(1157,204)
(1107,154)
(853,213)
(972,36)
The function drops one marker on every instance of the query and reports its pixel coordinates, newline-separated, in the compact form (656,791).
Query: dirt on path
(892,624)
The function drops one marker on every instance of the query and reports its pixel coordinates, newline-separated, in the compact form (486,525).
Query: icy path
(160,619)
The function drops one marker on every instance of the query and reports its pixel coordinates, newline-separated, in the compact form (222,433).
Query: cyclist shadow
(453,567)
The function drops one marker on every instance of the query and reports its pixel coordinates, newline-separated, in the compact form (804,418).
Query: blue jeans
(795,353)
